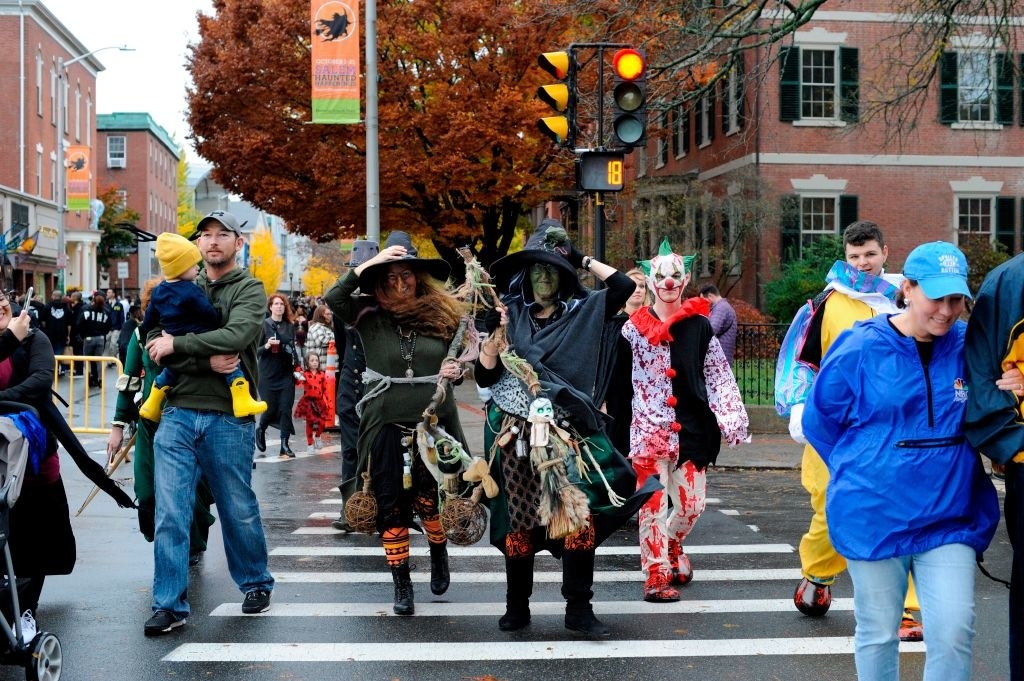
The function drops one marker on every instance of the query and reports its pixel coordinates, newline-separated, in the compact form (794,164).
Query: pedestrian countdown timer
(600,171)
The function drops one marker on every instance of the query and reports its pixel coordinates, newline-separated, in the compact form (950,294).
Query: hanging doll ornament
(564,508)
(542,415)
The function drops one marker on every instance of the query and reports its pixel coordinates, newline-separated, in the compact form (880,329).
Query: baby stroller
(38,652)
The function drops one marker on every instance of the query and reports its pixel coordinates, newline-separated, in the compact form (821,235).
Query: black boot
(577,583)
(404,604)
(519,588)
(261,438)
(286,450)
(440,578)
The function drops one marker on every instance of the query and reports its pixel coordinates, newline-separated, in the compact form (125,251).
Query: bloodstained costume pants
(660,525)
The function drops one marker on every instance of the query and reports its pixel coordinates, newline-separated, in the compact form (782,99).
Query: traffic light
(559,96)
(629,91)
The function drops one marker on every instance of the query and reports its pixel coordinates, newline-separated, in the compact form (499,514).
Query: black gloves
(574,256)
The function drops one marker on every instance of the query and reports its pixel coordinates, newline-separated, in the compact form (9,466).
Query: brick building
(36,44)
(138,157)
(782,152)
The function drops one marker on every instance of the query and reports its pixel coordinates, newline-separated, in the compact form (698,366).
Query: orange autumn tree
(460,158)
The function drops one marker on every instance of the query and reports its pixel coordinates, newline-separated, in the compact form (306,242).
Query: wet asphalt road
(331,615)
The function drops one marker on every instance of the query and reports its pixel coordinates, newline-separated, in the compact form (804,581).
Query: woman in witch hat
(407,321)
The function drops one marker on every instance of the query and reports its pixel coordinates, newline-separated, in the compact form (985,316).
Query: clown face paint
(668,277)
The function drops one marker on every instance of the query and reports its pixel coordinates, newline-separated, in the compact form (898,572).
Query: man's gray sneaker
(163,622)
(256,602)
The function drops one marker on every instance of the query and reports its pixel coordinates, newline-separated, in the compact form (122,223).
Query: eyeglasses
(404,275)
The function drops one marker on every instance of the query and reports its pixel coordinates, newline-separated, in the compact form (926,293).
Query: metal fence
(757,348)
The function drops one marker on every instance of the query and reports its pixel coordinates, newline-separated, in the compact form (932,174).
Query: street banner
(334,33)
(79,187)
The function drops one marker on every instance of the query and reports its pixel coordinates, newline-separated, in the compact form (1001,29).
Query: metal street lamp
(62,256)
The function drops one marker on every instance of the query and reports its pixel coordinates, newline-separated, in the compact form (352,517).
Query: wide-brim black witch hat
(435,267)
(549,245)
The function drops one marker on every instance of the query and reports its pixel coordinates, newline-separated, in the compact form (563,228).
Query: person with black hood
(548,316)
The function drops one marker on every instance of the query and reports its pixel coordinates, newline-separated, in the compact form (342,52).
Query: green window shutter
(711,114)
(847,211)
(726,102)
(686,131)
(1004,221)
(1004,89)
(948,89)
(741,89)
(789,227)
(849,84)
(789,83)
(1021,115)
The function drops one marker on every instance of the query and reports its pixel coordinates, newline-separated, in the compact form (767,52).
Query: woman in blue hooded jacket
(885,414)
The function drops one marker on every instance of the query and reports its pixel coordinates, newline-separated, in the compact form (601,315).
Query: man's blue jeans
(188,443)
(944,577)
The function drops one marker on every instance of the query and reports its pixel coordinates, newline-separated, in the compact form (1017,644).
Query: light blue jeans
(188,443)
(944,577)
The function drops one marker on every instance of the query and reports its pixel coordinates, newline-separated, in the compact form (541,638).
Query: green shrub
(801,280)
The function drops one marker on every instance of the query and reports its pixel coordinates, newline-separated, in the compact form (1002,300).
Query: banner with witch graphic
(334,34)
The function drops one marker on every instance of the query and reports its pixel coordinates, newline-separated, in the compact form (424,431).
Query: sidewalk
(764,451)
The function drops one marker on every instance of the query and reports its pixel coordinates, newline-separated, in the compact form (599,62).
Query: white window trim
(818,185)
(677,132)
(706,120)
(990,197)
(732,94)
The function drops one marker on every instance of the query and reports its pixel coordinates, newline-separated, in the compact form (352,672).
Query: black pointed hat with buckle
(435,267)
(549,245)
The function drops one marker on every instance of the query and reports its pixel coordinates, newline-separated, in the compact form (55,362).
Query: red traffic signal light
(629,94)
(629,64)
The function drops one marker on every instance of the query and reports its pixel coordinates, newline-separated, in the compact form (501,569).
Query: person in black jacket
(58,322)
(93,325)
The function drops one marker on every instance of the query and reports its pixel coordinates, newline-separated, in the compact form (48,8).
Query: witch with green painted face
(562,485)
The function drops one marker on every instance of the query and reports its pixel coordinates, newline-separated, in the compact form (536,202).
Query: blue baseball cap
(939,268)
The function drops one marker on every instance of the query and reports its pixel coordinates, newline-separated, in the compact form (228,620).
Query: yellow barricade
(89,408)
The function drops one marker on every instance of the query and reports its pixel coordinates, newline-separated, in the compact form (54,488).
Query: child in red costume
(685,399)
(312,406)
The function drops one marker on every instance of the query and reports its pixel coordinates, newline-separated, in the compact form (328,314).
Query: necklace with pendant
(406,348)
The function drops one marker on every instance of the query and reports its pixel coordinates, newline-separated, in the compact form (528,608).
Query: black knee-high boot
(440,577)
(577,589)
(519,588)
(404,602)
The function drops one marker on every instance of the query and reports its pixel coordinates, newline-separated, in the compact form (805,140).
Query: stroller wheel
(45,658)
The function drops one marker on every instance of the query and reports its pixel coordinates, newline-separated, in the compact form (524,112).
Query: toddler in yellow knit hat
(180,306)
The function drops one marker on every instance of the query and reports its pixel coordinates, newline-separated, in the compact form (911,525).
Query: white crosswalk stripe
(323,576)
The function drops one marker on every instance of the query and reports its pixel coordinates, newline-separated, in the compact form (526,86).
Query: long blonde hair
(433,311)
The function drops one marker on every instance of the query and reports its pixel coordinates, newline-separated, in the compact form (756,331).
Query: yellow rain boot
(151,408)
(242,402)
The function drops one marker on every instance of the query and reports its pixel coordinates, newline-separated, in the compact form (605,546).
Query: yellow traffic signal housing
(629,93)
(561,97)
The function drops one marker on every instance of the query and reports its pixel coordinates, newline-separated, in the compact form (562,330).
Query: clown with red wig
(685,401)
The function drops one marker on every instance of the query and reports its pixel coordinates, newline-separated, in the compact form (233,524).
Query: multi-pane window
(662,142)
(976,89)
(974,216)
(817,219)
(680,131)
(818,84)
(116,151)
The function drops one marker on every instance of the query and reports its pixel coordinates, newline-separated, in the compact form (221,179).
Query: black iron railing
(757,349)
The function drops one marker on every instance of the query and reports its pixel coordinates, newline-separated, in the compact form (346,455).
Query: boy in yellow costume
(856,290)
